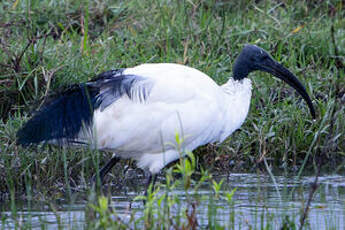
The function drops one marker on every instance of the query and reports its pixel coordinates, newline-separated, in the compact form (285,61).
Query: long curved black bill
(284,74)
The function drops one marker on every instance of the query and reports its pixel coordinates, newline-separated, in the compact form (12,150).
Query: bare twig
(48,77)
(314,187)
(16,61)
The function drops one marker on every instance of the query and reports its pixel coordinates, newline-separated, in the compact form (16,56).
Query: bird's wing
(134,109)
(181,100)
(114,84)
(69,114)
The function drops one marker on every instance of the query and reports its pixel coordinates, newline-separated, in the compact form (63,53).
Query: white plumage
(183,101)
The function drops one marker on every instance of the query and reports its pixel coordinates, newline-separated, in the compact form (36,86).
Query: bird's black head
(250,59)
(254,58)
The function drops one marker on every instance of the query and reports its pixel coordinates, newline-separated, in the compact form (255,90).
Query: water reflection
(257,201)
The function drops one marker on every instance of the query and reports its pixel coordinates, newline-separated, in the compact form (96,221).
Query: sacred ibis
(137,112)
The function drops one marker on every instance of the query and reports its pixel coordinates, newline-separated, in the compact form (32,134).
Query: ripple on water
(256,201)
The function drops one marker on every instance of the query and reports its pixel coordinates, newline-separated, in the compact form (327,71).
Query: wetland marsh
(262,177)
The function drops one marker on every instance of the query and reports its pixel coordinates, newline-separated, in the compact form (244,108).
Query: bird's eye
(264,57)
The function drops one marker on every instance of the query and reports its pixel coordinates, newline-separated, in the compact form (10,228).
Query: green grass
(46,45)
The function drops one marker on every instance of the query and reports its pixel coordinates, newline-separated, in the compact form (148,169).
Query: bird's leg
(110,164)
(151,180)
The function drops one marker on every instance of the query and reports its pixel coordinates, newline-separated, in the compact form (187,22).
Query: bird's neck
(238,88)
(236,102)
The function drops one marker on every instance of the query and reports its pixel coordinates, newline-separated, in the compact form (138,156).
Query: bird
(136,112)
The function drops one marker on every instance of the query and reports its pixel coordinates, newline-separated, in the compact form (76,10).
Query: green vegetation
(46,45)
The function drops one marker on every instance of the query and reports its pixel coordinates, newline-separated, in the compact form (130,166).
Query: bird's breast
(237,103)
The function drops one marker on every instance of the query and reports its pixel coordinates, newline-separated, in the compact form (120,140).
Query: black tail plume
(61,119)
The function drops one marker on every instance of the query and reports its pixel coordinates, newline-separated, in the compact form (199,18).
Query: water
(256,203)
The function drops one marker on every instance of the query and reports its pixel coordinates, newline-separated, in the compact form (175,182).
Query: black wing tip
(61,119)
(23,137)
(108,75)
(28,134)
(22,140)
